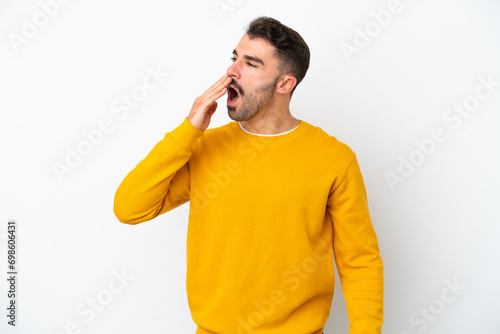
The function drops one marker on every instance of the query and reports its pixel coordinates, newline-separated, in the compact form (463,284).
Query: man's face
(255,73)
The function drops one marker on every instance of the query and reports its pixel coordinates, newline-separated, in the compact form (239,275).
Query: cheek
(264,79)
(252,83)
(253,79)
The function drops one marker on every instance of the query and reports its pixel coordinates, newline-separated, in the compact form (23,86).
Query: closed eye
(233,59)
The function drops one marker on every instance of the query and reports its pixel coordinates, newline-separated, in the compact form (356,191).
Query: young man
(270,197)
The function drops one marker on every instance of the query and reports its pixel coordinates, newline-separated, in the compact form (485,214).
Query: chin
(238,113)
(231,112)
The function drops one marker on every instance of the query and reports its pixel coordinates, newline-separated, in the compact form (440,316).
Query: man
(270,197)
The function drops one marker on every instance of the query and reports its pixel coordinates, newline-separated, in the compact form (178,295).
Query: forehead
(256,47)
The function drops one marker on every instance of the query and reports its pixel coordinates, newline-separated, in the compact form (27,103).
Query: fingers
(220,82)
(217,89)
(204,106)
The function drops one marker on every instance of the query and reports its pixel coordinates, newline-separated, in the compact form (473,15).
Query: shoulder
(333,147)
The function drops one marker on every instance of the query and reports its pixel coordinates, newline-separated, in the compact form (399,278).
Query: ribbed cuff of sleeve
(186,134)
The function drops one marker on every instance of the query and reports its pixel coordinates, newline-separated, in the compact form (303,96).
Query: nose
(233,70)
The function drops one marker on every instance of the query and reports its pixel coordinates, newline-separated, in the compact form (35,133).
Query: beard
(252,102)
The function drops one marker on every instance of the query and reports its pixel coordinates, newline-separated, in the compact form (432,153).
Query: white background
(69,74)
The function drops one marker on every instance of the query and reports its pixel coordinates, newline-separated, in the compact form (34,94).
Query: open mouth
(232,94)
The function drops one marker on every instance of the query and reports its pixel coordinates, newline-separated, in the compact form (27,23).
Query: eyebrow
(255,59)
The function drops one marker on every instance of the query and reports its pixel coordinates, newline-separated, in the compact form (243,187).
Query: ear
(286,84)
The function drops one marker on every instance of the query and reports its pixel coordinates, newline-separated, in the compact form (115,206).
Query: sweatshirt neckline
(266,135)
(278,139)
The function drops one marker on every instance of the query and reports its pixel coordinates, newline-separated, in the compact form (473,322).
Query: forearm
(362,282)
(148,189)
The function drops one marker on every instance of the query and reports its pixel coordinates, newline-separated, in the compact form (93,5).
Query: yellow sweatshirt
(264,214)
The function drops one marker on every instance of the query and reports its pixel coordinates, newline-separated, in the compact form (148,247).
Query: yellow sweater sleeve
(160,182)
(356,252)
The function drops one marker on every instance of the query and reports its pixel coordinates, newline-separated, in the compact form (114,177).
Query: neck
(271,120)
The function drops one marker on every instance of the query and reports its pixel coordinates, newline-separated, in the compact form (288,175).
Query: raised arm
(160,182)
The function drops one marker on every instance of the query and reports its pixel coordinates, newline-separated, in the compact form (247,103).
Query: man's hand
(204,106)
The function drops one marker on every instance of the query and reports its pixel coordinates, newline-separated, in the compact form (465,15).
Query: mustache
(237,86)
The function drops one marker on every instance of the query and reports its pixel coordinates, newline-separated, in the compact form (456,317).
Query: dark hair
(291,50)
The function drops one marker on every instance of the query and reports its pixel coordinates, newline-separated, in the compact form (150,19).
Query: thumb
(212,109)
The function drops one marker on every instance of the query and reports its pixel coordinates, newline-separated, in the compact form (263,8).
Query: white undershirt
(260,134)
